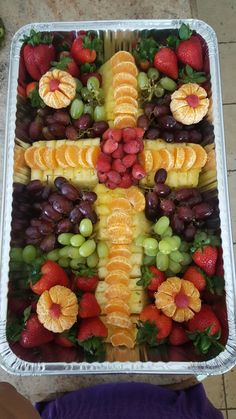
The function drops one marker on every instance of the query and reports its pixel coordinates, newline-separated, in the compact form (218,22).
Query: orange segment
(136,198)
(123,338)
(119,218)
(119,320)
(119,263)
(120,234)
(72,155)
(50,158)
(127,99)
(146,160)
(30,158)
(116,304)
(124,78)
(82,160)
(125,90)
(120,204)
(125,108)
(201,156)
(125,67)
(92,156)
(117,277)
(19,158)
(39,157)
(117,291)
(121,56)
(157,161)
(124,121)
(60,156)
(167,159)
(179,157)
(190,158)
(120,251)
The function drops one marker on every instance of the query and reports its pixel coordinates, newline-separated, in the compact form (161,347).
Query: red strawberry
(103,163)
(86,279)
(24,353)
(196,276)
(118,166)
(63,341)
(138,171)
(67,63)
(205,257)
(34,333)
(80,53)
(38,52)
(150,316)
(129,160)
(178,336)
(91,327)
(88,306)
(165,60)
(151,278)
(220,263)
(190,52)
(31,87)
(48,275)
(50,352)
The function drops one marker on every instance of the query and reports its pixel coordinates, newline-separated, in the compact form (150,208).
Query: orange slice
(157,161)
(72,155)
(146,159)
(124,121)
(125,108)
(116,304)
(50,158)
(120,251)
(136,198)
(118,263)
(119,320)
(30,158)
(19,158)
(39,157)
(125,67)
(167,159)
(125,90)
(190,158)
(123,338)
(127,99)
(117,290)
(179,157)
(117,277)
(60,156)
(121,56)
(124,78)
(92,156)
(119,218)
(120,204)
(201,156)
(120,234)
(82,160)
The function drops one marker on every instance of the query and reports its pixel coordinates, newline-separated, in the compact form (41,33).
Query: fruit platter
(117,246)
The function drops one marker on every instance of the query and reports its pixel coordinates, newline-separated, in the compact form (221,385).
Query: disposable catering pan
(119,35)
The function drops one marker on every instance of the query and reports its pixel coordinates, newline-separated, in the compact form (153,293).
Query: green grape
(100,96)
(184,246)
(53,255)
(86,94)
(75,263)
(150,252)
(79,85)
(73,252)
(87,248)
(162,261)
(64,238)
(177,241)
(29,253)
(64,251)
(64,262)
(167,233)
(159,91)
(168,84)
(176,256)
(16,254)
(76,108)
(161,225)
(164,246)
(102,250)
(140,240)
(76,240)
(174,266)
(187,259)
(86,227)
(149,260)
(88,109)
(99,113)
(153,74)
(143,82)
(150,243)
(93,84)
(92,260)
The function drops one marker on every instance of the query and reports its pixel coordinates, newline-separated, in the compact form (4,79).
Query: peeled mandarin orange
(60,156)
(72,155)
(126,99)
(121,56)
(82,160)
(167,159)
(136,198)
(30,158)
(190,158)
(146,160)
(125,108)
(125,90)
(117,277)
(92,155)
(117,304)
(201,156)
(119,204)
(120,217)
(50,158)
(124,251)
(124,121)
(39,157)
(125,67)
(179,157)
(157,160)
(119,319)
(120,234)
(124,78)
(123,338)
(117,290)
(118,263)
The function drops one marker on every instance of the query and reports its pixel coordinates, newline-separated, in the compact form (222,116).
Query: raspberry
(139,133)
(129,160)
(109,184)
(103,163)
(114,134)
(119,152)
(118,166)
(102,177)
(129,134)
(107,134)
(114,177)
(126,181)
(109,146)
(138,171)
(132,147)
(141,144)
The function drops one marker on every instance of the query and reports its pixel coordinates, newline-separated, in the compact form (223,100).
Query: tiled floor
(221,15)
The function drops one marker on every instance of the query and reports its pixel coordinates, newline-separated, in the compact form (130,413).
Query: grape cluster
(185,207)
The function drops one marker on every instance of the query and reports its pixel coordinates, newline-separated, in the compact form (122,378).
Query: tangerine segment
(19,158)
(201,156)
(179,157)
(125,90)
(146,159)
(30,158)
(92,156)
(120,234)
(121,56)
(119,204)
(117,291)
(136,198)
(119,320)
(124,78)
(50,158)
(118,263)
(117,277)
(116,304)
(60,156)
(123,338)
(123,252)
(125,67)
(39,157)
(124,121)
(190,158)
(167,159)
(157,161)
(120,217)
(125,108)
(82,160)
(127,99)
(72,155)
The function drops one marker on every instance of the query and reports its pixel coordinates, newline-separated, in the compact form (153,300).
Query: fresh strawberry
(91,327)
(205,329)
(138,171)
(103,163)
(67,63)
(196,276)
(190,52)
(34,333)
(22,75)
(66,339)
(85,47)
(165,60)
(220,311)
(154,325)
(21,91)
(86,279)
(178,335)
(50,352)
(88,306)
(44,278)
(151,278)
(27,354)
(118,166)
(220,263)
(205,257)
(38,52)
(144,65)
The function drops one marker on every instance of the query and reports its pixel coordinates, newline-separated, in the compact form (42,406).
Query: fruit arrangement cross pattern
(115,245)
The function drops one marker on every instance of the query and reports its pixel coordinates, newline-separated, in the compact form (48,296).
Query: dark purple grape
(75,215)
(152,133)
(71,133)
(160,176)
(84,122)
(54,196)
(39,206)
(167,122)
(62,205)
(51,214)
(85,208)
(62,117)
(202,211)
(47,134)
(165,100)
(49,119)
(35,130)
(189,233)
(45,228)
(35,242)
(89,196)
(143,122)
(35,222)
(93,217)
(64,226)
(148,109)
(196,198)
(24,207)
(57,130)
(70,192)
(48,243)
(34,186)
(75,229)
(184,194)
(33,232)
(152,200)
(151,214)
(18,188)
(195,136)
(45,192)
(100,127)
(167,206)
(177,224)
(18,225)
(161,189)
(161,110)
(178,126)
(22,133)
(185,213)
(168,136)
(181,136)
(59,181)
(43,112)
